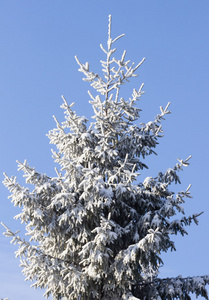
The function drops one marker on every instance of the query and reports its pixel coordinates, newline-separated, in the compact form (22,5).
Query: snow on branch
(179,287)
(113,78)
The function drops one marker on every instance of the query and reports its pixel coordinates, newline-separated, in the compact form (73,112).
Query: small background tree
(96,231)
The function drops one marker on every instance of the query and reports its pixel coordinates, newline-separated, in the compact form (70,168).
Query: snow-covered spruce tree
(95,232)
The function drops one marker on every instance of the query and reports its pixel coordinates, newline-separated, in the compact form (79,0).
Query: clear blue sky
(38,41)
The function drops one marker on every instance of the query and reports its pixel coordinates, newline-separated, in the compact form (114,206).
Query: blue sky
(38,42)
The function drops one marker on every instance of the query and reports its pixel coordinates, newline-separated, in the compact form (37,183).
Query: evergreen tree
(95,231)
